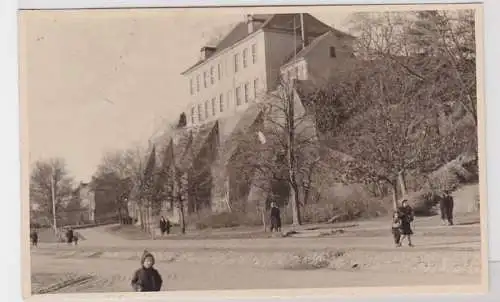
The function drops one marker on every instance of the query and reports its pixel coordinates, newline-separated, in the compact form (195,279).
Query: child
(147,279)
(396,229)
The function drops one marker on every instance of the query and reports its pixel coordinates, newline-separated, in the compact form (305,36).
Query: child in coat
(147,278)
(396,229)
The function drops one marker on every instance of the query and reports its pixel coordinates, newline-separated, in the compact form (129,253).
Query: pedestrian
(396,229)
(407,216)
(168,226)
(76,237)
(446,204)
(69,235)
(34,237)
(147,278)
(275,218)
(163,225)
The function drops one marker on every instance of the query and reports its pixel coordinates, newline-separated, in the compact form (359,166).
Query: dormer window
(333,53)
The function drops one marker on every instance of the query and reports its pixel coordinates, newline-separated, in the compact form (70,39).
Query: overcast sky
(100,80)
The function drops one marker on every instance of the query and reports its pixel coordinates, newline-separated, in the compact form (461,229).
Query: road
(265,262)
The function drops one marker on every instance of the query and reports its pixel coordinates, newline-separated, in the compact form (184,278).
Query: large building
(251,59)
(227,85)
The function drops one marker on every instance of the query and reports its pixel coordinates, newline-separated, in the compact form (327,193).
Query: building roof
(270,21)
(238,33)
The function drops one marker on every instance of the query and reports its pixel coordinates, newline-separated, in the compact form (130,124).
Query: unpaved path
(370,260)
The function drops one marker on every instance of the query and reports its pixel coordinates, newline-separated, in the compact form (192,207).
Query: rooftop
(268,21)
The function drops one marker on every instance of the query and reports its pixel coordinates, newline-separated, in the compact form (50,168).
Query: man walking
(446,206)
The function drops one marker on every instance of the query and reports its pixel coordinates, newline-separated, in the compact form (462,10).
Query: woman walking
(275,218)
(407,217)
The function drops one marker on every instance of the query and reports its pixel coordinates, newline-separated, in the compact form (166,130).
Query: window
(205,79)
(236,62)
(191,87)
(198,83)
(254,53)
(247,91)
(238,96)
(212,75)
(221,102)
(245,56)
(206,109)
(219,72)
(199,113)
(192,115)
(213,107)
(255,87)
(333,53)
(229,96)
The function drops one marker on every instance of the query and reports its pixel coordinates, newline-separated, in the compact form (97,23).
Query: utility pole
(53,196)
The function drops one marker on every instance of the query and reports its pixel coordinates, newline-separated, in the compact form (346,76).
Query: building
(86,197)
(249,61)
(226,88)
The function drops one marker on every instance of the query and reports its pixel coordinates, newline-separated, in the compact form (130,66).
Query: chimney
(250,23)
(206,52)
(303,32)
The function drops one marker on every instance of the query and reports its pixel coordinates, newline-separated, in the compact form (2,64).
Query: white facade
(228,81)
(236,75)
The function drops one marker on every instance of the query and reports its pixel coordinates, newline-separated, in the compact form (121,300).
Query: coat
(146,279)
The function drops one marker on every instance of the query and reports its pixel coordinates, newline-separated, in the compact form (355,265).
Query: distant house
(86,198)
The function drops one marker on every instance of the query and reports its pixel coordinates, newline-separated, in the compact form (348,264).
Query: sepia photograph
(252,148)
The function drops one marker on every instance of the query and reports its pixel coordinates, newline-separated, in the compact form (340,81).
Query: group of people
(71,236)
(404,216)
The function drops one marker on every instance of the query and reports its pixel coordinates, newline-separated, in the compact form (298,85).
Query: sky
(101,80)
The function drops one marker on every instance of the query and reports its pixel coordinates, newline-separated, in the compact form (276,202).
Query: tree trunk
(294,196)
(394,196)
(182,218)
(119,212)
(402,182)
(152,227)
(263,216)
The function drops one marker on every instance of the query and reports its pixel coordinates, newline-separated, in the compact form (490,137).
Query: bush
(356,203)
(424,202)
(208,220)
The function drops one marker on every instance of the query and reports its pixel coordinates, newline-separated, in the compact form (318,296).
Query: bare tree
(281,149)
(50,187)
(442,41)
(390,129)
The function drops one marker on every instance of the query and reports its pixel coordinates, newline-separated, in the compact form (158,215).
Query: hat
(145,255)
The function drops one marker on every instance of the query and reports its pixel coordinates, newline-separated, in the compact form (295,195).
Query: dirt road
(448,256)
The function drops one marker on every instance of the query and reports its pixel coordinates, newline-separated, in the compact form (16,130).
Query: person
(34,237)
(147,278)
(275,218)
(69,235)
(168,226)
(75,238)
(396,229)
(163,225)
(407,216)
(446,203)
